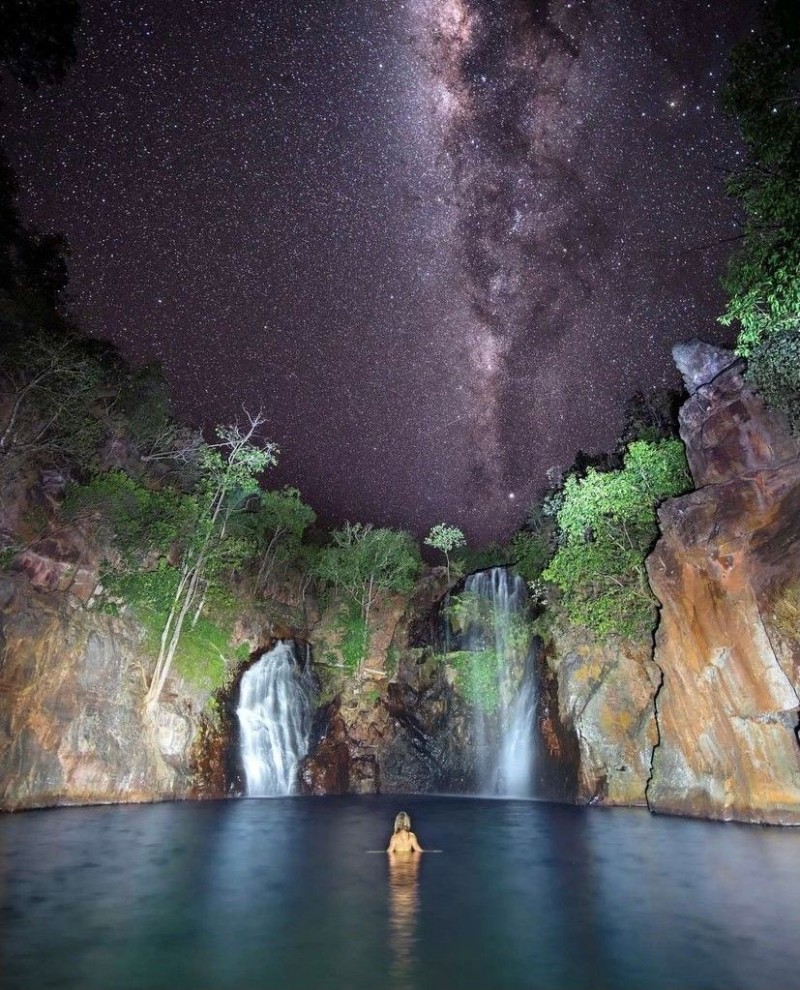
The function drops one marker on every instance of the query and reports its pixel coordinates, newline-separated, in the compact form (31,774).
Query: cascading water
(495,631)
(274,713)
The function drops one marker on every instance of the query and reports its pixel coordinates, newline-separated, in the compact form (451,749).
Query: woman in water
(403,840)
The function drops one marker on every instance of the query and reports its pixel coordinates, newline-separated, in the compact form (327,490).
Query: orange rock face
(725,571)
(605,692)
(71,691)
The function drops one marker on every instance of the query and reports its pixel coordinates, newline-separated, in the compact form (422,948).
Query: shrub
(608,526)
(774,371)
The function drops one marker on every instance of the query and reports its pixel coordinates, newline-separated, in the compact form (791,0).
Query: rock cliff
(71,690)
(726,573)
(410,734)
(605,697)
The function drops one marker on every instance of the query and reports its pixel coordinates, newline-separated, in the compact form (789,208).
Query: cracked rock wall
(725,571)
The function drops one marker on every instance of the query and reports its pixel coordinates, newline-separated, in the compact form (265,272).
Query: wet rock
(729,555)
(408,734)
(557,761)
(605,696)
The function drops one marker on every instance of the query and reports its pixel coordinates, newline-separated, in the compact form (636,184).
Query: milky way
(440,242)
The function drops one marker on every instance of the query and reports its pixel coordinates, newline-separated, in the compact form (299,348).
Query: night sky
(440,242)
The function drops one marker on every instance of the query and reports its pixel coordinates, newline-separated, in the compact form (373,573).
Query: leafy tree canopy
(362,560)
(607,526)
(763,93)
(445,539)
(37,43)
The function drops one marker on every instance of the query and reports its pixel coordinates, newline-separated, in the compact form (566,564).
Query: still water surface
(281,893)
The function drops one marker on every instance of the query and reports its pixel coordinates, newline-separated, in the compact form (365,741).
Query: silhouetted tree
(37,39)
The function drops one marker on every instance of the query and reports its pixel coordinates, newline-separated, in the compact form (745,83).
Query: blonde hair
(402,822)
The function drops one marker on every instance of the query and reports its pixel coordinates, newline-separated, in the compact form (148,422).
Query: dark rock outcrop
(725,572)
(558,757)
(410,737)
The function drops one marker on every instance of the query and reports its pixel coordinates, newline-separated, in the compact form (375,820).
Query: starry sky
(439,242)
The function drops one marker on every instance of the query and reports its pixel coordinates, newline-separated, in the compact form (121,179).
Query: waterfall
(274,715)
(495,630)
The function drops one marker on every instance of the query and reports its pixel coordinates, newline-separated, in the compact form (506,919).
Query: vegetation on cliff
(607,526)
(360,563)
(763,280)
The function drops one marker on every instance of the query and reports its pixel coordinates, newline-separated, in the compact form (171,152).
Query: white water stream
(275,710)
(505,739)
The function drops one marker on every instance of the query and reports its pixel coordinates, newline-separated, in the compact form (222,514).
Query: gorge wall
(727,574)
(702,723)
(605,698)
(71,691)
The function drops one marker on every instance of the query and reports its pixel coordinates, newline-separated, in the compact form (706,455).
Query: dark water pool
(281,893)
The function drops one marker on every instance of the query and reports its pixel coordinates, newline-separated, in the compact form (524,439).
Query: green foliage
(55,386)
(651,416)
(143,409)
(362,560)
(134,518)
(354,637)
(477,677)
(275,523)
(530,553)
(445,539)
(372,696)
(478,671)
(203,653)
(469,608)
(773,369)
(150,591)
(481,559)
(763,92)
(608,525)
(228,478)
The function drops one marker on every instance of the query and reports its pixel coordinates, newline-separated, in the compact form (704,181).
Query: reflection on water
(280,893)
(403,907)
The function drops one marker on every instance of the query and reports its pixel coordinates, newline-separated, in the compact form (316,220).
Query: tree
(530,553)
(277,522)
(52,383)
(774,371)
(37,40)
(362,561)
(445,539)
(763,93)
(229,471)
(607,526)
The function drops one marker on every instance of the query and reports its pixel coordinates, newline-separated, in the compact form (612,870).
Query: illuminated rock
(726,573)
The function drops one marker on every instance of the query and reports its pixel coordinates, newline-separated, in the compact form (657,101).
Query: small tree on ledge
(445,539)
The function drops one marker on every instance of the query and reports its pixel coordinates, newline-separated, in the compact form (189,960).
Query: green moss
(354,635)
(477,677)
(786,611)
